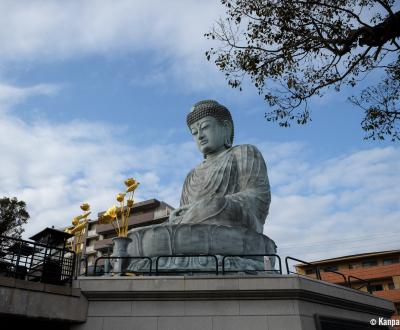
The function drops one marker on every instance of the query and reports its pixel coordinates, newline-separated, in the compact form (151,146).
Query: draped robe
(229,189)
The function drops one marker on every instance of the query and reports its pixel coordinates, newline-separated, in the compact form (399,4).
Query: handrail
(33,261)
(339,273)
(35,243)
(252,255)
(157,271)
(123,258)
(347,281)
(186,256)
(317,271)
(367,283)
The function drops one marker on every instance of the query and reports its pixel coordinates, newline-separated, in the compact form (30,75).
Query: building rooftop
(50,236)
(351,257)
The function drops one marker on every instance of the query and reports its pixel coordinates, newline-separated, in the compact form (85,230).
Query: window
(369,263)
(391,286)
(331,268)
(376,287)
(310,271)
(354,266)
(390,261)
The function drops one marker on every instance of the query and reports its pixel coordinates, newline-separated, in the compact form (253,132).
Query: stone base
(195,239)
(31,301)
(226,303)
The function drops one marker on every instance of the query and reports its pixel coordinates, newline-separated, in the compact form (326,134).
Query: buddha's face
(209,134)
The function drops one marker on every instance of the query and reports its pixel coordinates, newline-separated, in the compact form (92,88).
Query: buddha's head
(211,125)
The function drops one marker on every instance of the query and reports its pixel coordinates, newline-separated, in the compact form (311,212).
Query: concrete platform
(20,299)
(273,302)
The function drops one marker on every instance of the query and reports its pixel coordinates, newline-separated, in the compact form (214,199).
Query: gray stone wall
(31,300)
(202,315)
(221,303)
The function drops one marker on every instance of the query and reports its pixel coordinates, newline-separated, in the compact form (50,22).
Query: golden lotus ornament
(79,224)
(85,207)
(132,187)
(118,217)
(120,197)
(105,220)
(129,182)
(112,212)
(75,221)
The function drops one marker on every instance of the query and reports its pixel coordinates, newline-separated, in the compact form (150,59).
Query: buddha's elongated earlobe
(227,143)
(228,134)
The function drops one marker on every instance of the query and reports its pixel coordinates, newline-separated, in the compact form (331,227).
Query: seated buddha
(230,186)
(224,203)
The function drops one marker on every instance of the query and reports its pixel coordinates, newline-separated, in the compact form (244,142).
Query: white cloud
(10,95)
(172,30)
(55,167)
(326,207)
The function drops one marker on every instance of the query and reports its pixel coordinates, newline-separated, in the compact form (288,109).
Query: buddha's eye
(194,132)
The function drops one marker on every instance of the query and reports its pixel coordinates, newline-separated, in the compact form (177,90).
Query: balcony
(161,213)
(103,244)
(367,273)
(393,295)
(90,249)
(92,233)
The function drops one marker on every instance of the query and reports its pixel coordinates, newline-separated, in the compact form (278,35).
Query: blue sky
(93,92)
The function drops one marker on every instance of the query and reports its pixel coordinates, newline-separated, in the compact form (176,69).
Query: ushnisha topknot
(209,108)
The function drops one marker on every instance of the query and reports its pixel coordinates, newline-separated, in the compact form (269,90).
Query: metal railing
(37,262)
(177,271)
(221,267)
(317,270)
(364,283)
(97,270)
(279,270)
(346,280)
(158,270)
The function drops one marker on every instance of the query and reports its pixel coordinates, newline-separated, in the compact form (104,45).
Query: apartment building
(380,269)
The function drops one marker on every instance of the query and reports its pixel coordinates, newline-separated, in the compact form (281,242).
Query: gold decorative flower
(78,228)
(132,187)
(85,207)
(68,230)
(129,182)
(120,197)
(80,217)
(112,212)
(129,202)
(86,214)
(75,221)
(105,220)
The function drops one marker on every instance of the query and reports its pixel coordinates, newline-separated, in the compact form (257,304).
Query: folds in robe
(230,189)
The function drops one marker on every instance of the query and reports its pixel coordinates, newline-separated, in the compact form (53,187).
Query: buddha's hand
(177,214)
(204,209)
